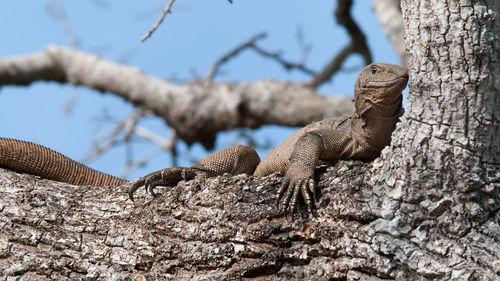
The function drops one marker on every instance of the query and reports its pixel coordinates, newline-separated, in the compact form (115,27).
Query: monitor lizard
(361,136)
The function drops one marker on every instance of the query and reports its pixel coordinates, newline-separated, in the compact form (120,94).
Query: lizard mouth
(382,84)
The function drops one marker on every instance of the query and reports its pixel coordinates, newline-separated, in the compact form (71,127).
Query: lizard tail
(39,160)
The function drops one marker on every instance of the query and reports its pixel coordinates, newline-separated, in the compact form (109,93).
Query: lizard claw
(288,194)
(134,186)
(281,190)
(306,187)
(165,177)
(295,195)
(150,188)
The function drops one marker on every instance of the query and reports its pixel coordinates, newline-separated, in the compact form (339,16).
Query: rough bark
(428,208)
(197,111)
(226,228)
(449,137)
(440,177)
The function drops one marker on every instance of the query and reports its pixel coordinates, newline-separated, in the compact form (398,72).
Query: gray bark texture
(427,209)
(438,182)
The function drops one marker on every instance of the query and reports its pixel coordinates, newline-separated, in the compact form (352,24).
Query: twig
(287,65)
(111,138)
(165,12)
(302,44)
(173,149)
(357,45)
(129,167)
(56,9)
(251,44)
(129,127)
(162,145)
(215,68)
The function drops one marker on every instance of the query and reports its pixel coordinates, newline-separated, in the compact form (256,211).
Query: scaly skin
(38,160)
(234,160)
(362,136)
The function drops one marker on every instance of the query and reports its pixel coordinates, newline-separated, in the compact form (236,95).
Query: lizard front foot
(164,177)
(288,193)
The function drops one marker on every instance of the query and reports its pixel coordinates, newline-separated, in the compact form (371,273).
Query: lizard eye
(373,69)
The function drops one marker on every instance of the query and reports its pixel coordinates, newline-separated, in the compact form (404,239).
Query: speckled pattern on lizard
(361,136)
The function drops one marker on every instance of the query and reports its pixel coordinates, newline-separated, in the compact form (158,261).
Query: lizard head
(380,84)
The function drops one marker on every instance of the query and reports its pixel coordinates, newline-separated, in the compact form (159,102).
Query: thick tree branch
(228,228)
(357,45)
(196,111)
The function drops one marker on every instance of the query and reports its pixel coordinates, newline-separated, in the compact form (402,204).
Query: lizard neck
(377,122)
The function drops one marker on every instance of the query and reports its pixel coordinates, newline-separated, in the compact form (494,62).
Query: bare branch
(251,44)
(111,139)
(306,48)
(357,44)
(173,149)
(122,134)
(157,24)
(56,10)
(196,111)
(225,58)
(286,64)
(162,145)
(131,166)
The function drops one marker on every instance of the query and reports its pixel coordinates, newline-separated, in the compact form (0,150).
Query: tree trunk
(439,180)
(428,208)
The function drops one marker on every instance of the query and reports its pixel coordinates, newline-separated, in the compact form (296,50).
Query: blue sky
(187,43)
